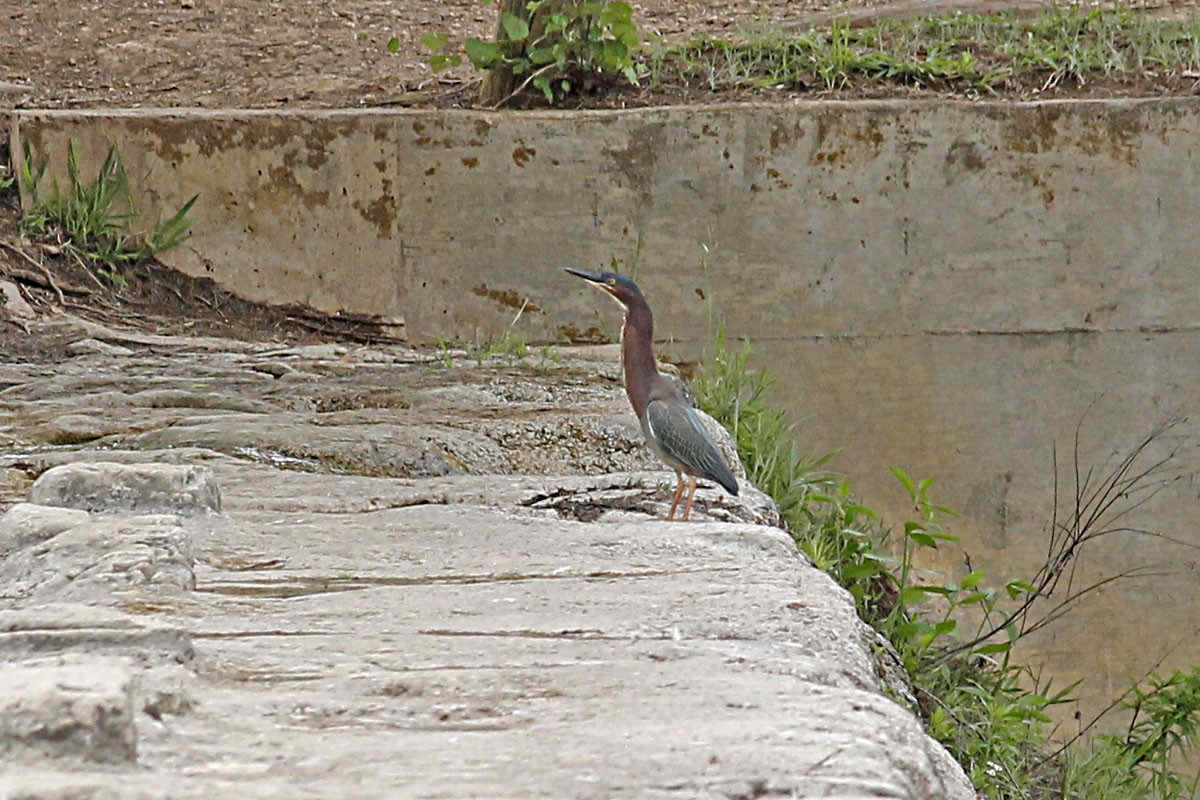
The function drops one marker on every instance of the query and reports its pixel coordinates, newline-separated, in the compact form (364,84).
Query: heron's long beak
(591,277)
(597,279)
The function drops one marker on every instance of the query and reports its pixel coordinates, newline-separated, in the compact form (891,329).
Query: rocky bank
(234,569)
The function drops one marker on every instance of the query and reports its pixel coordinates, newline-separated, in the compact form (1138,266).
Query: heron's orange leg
(687,510)
(678,494)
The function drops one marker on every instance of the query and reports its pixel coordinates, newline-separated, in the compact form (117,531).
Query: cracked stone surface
(422,582)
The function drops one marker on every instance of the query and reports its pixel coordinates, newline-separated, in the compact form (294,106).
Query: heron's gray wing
(686,444)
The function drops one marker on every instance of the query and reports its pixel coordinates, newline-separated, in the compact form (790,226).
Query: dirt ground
(328,53)
(72,54)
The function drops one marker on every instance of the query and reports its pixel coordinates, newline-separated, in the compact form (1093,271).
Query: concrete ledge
(871,218)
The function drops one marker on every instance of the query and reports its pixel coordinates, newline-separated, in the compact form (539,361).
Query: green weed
(95,219)
(445,353)
(967,52)
(509,346)
(549,46)
(955,637)
(1148,758)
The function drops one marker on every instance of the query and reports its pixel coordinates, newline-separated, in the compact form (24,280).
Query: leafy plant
(445,353)
(990,712)
(31,174)
(508,345)
(1147,759)
(552,45)
(95,219)
(969,52)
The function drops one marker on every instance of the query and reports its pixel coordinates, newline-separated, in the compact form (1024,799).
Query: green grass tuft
(957,52)
(95,219)
(954,638)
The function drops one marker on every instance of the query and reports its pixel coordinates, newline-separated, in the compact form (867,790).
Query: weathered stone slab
(71,627)
(498,635)
(79,712)
(129,489)
(145,556)
(27,524)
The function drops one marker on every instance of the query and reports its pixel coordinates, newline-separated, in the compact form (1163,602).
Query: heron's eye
(612,281)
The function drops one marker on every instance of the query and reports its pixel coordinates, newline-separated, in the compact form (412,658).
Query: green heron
(671,426)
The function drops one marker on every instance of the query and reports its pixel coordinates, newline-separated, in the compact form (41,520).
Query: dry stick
(49,279)
(85,268)
(526,82)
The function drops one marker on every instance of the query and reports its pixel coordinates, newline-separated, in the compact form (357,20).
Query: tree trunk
(500,83)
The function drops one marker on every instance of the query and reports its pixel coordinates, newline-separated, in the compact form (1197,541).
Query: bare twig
(525,84)
(1098,507)
(47,282)
(83,266)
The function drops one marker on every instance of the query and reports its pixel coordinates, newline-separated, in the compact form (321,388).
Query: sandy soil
(322,53)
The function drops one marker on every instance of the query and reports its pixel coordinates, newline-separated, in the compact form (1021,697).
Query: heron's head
(620,287)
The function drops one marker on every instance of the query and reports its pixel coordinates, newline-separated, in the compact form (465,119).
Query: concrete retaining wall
(946,287)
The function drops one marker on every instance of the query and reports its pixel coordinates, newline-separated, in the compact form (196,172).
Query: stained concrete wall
(946,287)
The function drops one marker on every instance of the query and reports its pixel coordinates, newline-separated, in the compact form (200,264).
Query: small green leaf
(995,647)
(923,539)
(615,12)
(1017,587)
(972,579)
(860,571)
(434,41)
(852,509)
(393,45)
(905,481)
(542,55)
(944,627)
(442,63)
(626,32)
(516,28)
(543,82)
(484,55)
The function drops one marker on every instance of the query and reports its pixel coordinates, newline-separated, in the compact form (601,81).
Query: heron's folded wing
(682,437)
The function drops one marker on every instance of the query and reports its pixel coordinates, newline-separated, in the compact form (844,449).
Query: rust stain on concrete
(284,187)
(840,140)
(635,162)
(1036,180)
(1119,134)
(380,212)
(574,335)
(967,155)
(783,135)
(505,297)
(1031,131)
(522,153)
(775,175)
(1116,132)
